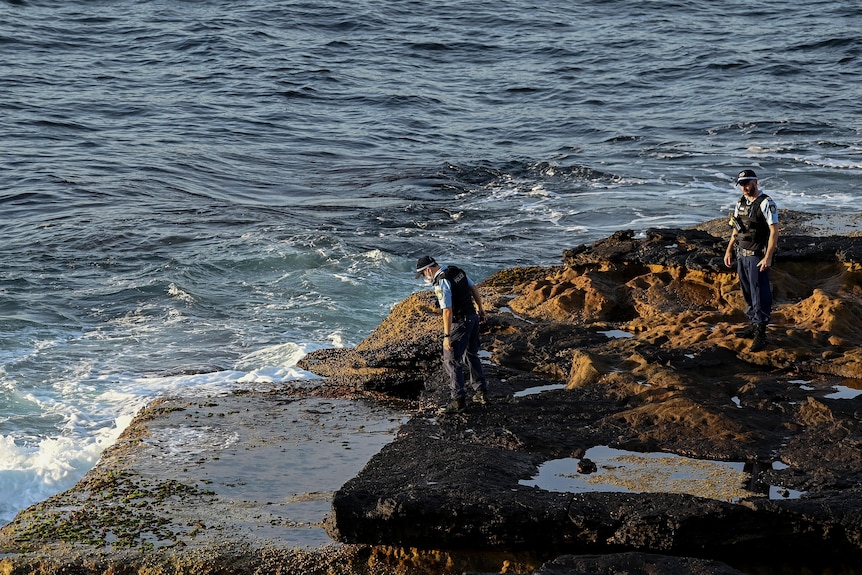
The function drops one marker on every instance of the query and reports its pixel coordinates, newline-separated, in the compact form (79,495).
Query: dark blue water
(194,194)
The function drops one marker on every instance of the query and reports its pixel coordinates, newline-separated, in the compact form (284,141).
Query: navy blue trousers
(755,289)
(464,354)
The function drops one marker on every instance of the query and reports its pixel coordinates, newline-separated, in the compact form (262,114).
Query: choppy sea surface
(193,194)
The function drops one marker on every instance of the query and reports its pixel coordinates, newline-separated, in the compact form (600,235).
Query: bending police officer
(456,294)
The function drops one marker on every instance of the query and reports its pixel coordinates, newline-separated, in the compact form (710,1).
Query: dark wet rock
(701,251)
(633,564)
(454,482)
(395,359)
(639,334)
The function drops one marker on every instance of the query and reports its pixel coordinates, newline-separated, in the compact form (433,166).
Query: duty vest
(462,297)
(754,234)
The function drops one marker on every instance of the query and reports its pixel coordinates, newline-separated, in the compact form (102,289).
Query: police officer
(754,238)
(456,293)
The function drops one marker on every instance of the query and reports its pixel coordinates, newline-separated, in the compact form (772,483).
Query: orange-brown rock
(640,333)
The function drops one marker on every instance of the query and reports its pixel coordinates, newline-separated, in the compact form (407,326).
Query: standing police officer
(755,235)
(456,294)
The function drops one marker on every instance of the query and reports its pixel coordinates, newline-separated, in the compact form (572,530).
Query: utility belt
(462,317)
(748,253)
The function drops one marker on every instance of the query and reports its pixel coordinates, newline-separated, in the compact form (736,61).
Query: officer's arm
(477,297)
(770,247)
(447,321)
(728,253)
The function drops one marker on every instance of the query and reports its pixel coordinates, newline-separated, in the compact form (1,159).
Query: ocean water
(193,194)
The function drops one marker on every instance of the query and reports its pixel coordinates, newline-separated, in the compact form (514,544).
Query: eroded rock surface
(641,333)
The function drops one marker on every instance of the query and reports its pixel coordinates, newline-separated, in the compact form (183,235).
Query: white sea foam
(32,468)
(33,472)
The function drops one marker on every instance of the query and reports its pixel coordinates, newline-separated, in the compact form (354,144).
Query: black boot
(456,406)
(759,342)
(748,331)
(480,398)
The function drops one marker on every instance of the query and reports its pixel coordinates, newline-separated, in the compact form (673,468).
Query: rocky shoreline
(632,340)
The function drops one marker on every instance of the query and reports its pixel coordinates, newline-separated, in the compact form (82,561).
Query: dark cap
(745,176)
(424,263)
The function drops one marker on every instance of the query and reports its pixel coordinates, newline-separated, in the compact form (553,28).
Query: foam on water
(34,471)
(34,466)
